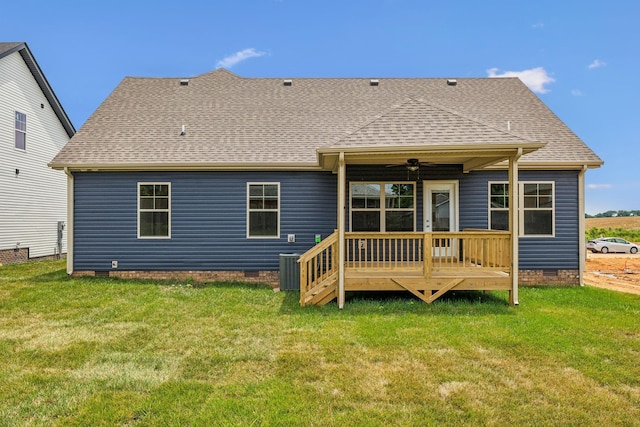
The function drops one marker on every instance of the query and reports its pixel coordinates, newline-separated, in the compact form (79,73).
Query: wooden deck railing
(318,264)
(384,251)
(464,253)
(489,250)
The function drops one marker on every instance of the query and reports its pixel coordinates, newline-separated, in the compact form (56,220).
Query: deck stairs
(321,293)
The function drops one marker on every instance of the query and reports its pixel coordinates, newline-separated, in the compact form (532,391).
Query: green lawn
(97,351)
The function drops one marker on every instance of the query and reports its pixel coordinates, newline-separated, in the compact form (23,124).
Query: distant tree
(611,214)
(607,214)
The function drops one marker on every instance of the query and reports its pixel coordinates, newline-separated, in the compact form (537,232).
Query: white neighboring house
(33,129)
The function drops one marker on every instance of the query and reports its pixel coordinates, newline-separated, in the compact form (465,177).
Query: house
(33,129)
(421,184)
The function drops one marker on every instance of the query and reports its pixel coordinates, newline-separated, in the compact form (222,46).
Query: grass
(99,351)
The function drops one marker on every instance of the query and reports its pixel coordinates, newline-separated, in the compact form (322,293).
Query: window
(383,207)
(263,213)
(537,209)
(154,210)
(21,131)
(536,215)
(499,206)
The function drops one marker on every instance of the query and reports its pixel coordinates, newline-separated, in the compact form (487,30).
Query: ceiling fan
(412,165)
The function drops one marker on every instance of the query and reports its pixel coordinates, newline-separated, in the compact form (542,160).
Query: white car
(612,244)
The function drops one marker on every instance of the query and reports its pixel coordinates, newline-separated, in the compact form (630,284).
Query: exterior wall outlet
(291,238)
(114,264)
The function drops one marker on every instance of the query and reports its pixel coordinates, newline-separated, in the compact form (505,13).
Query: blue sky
(581,57)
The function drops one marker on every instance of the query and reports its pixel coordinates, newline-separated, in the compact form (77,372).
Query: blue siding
(209,217)
(208,229)
(536,253)
(562,251)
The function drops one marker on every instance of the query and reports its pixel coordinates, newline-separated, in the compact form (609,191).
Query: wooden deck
(425,264)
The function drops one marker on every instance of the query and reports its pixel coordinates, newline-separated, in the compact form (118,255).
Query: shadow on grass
(61,276)
(467,302)
(453,302)
(52,276)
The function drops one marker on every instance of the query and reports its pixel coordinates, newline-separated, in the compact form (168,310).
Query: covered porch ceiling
(470,157)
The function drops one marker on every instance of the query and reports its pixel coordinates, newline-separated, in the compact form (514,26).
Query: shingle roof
(230,119)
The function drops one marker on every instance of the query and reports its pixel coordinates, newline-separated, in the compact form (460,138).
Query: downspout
(70,220)
(514,224)
(342,183)
(582,251)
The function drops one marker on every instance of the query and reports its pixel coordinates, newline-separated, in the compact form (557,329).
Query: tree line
(611,214)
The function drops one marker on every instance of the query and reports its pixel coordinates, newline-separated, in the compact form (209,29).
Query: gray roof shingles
(230,119)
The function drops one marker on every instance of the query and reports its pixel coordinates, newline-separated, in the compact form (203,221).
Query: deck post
(514,224)
(427,251)
(342,183)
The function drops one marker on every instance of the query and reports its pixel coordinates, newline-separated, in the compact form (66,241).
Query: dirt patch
(624,222)
(617,272)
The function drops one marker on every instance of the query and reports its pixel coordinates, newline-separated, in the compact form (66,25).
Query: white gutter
(193,166)
(70,221)
(582,250)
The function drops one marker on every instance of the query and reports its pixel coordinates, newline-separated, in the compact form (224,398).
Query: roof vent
(452,82)
(374,82)
(287,82)
(184,82)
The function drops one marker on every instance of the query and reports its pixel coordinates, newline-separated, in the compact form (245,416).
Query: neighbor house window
(536,215)
(21,131)
(263,213)
(383,207)
(154,210)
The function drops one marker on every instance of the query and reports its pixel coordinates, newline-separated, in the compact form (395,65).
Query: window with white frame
(537,207)
(377,206)
(21,131)
(263,213)
(498,206)
(154,210)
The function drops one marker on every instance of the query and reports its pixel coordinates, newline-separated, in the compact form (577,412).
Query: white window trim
(155,210)
(16,112)
(382,209)
(249,210)
(489,208)
(523,209)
